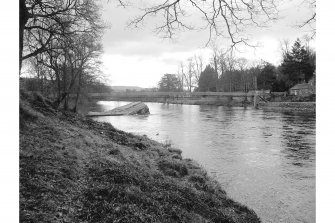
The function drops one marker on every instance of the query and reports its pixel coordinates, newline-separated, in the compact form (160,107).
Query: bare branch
(312,19)
(224,18)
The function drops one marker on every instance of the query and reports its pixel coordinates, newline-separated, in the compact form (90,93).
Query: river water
(263,159)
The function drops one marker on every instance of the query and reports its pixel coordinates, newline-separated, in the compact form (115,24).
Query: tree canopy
(43,23)
(298,64)
(60,40)
(169,83)
(207,80)
(267,76)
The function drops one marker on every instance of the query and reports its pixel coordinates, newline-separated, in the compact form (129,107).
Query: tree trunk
(78,93)
(222,78)
(64,88)
(66,102)
(255,83)
(230,84)
(216,73)
(182,83)
(24,16)
(58,88)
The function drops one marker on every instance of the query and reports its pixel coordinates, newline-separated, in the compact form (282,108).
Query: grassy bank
(289,106)
(73,169)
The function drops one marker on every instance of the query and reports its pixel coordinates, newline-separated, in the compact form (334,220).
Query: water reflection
(263,159)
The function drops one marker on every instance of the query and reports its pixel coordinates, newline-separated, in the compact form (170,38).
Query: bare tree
(198,63)
(241,64)
(181,75)
(284,47)
(87,61)
(227,63)
(41,75)
(215,62)
(188,74)
(44,21)
(62,39)
(181,82)
(68,62)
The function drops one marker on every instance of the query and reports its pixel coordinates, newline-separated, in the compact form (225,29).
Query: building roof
(301,86)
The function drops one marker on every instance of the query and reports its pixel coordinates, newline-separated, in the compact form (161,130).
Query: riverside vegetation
(74,169)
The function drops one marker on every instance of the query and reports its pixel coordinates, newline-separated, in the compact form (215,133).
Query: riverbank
(289,106)
(217,101)
(73,169)
(240,102)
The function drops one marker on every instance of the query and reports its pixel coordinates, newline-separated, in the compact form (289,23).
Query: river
(263,159)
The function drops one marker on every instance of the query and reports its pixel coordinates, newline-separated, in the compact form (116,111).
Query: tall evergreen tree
(207,79)
(297,66)
(267,76)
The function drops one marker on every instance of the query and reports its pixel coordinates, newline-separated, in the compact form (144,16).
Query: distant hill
(125,88)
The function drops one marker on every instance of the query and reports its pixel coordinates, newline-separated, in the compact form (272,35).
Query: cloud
(135,71)
(123,40)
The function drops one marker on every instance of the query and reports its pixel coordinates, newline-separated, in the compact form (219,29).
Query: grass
(73,169)
(174,168)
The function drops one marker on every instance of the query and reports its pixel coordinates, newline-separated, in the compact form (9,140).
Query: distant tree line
(226,73)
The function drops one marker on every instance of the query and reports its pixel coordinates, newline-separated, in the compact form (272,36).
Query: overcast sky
(138,57)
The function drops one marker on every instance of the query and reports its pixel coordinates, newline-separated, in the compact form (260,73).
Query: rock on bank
(73,169)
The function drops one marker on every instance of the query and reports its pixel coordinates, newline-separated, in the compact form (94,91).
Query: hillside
(73,169)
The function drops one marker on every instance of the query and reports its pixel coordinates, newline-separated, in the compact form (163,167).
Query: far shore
(281,105)
(289,106)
